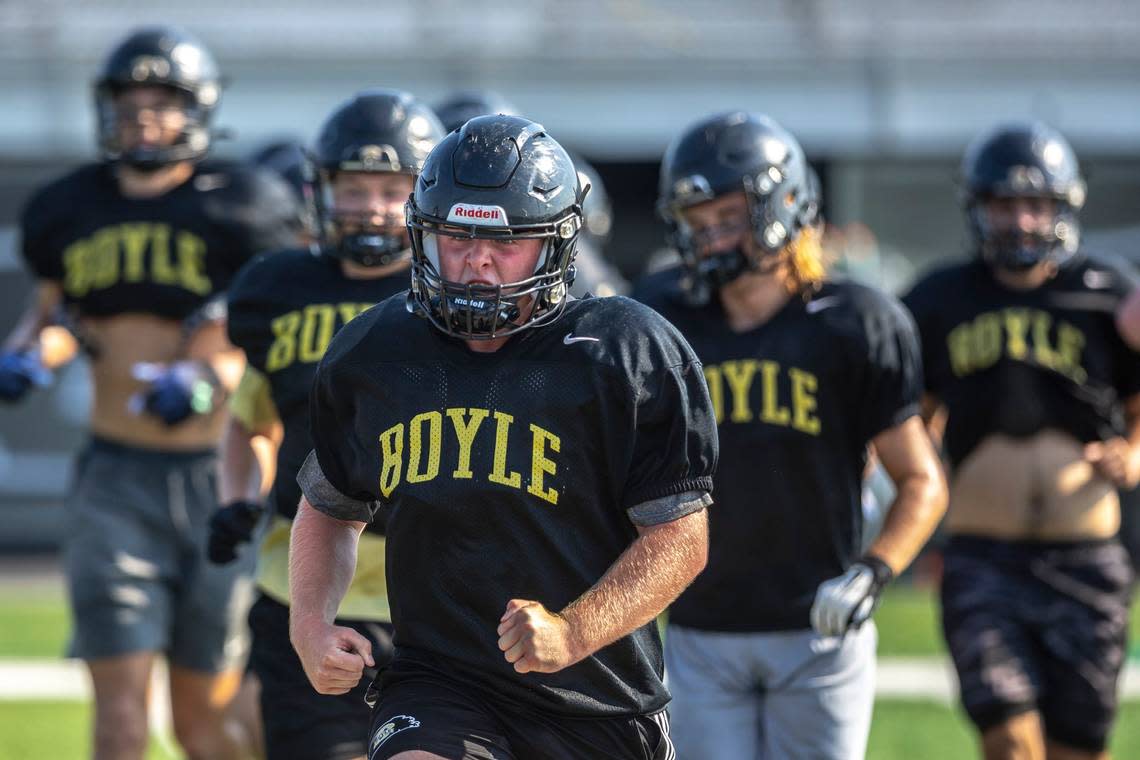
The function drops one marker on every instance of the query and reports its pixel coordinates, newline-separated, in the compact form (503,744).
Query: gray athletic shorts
(770,696)
(134,551)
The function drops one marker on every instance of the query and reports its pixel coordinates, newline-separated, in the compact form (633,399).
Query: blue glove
(19,371)
(231,525)
(176,392)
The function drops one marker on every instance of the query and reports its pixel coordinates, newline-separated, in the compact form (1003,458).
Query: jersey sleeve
(39,253)
(1124,282)
(918,304)
(674,452)
(340,476)
(260,216)
(247,316)
(252,402)
(893,389)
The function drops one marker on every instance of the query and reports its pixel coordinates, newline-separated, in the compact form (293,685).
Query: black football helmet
(288,159)
(598,219)
(498,178)
(167,57)
(1028,160)
(463,105)
(726,153)
(379,130)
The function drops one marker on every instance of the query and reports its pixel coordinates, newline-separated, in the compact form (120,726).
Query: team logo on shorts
(392,727)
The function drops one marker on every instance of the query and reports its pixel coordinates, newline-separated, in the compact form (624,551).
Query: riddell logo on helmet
(484,215)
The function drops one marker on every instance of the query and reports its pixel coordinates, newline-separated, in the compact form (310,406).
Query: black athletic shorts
(301,724)
(1038,626)
(426,711)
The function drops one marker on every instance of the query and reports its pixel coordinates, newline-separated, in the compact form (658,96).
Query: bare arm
(934,418)
(909,458)
(247,462)
(322,560)
(649,574)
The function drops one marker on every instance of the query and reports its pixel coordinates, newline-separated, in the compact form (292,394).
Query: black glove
(176,392)
(19,371)
(847,601)
(231,525)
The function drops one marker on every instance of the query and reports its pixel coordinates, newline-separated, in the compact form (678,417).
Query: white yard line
(911,678)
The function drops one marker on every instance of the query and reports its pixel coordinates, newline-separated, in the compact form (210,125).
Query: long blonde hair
(805,260)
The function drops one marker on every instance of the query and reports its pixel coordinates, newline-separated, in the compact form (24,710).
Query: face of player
(371,200)
(1029,217)
(480,261)
(719,225)
(149,116)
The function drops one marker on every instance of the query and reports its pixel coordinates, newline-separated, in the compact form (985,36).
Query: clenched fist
(535,639)
(333,657)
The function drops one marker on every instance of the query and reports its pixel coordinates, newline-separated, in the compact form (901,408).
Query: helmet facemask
(474,311)
(707,269)
(361,236)
(1017,250)
(191,144)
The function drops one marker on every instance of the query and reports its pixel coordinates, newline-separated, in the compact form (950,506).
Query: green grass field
(901,731)
(34,623)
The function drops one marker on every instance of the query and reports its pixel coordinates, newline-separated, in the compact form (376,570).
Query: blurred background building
(884,96)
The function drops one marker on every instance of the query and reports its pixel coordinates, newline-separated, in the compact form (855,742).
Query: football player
(543,464)
(284,309)
(1041,402)
(132,253)
(770,653)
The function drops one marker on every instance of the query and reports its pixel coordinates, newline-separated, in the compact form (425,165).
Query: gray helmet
(497,178)
(378,130)
(732,152)
(166,57)
(1028,160)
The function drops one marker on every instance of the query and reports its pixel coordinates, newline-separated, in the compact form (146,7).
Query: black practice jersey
(797,400)
(164,256)
(1018,362)
(509,475)
(284,309)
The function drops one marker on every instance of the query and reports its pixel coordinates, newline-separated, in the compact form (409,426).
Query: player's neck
(486,346)
(753,298)
(138,184)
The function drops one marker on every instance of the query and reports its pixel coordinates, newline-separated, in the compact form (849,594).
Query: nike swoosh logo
(572,338)
(820,304)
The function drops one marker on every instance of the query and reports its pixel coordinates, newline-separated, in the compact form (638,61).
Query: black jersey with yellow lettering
(165,255)
(797,399)
(1020,361)
(511,475)
(284,309)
